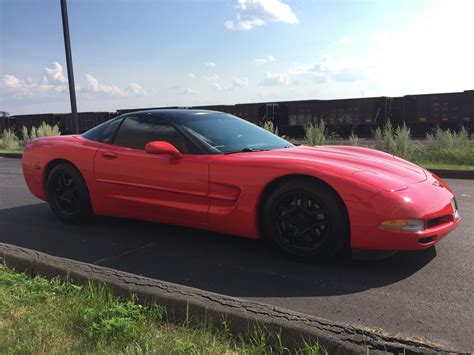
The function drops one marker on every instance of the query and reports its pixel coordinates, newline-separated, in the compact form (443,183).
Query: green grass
(38,315)
(7,151)
(455,156)
(429,165)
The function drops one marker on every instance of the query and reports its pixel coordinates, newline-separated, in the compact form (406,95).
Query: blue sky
(193,52)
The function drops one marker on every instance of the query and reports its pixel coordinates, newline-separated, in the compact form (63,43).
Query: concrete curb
(239,315)
(454,174)
(442,173)
(11,155)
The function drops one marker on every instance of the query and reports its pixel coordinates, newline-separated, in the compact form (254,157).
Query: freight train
(360,115)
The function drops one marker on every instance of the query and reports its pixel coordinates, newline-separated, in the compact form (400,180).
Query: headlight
(411,225)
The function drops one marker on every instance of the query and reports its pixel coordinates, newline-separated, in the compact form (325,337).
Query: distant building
(4,114)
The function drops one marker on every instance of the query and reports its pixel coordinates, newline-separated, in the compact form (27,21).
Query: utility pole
(70,73)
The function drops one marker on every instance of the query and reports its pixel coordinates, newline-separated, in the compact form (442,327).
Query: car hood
(367,165)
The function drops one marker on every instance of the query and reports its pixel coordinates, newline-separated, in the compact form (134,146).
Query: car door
(133,183)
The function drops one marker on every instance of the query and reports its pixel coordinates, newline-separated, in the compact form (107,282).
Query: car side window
(104,132)
(137,132)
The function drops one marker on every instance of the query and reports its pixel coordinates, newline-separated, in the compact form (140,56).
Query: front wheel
(305,219)
(68,195)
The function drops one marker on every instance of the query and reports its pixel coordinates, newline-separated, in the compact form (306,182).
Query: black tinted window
(136,132)
(225,133)
(103,132)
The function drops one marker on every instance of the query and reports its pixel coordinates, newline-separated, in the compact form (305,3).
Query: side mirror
(159,147)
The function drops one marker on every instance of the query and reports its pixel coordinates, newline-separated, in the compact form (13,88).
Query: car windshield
(224,133)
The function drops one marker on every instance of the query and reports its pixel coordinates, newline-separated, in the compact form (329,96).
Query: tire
(306,220)
(68,196)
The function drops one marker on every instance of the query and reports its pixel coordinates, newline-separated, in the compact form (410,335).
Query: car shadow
(219,263)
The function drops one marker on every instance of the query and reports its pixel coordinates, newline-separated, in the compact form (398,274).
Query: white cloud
(186,91)
(53,82)
(240,82)
(344,40)
(340,71)
(275,79)
(12,82)
(133,89)
(210,65)
(217,87)
(191,76)
(234,83)
(324,71)
(136,89)
(299,68)
(54,75)
(212,78)
(267,59)
(97,87)
(326,66)
(254,13)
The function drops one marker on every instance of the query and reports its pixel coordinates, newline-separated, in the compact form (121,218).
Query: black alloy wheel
(305,219)
(65,194)
(68,195)
(301,221)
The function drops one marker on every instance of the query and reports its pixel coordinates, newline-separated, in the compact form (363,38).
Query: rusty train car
(87,120)
(421,113)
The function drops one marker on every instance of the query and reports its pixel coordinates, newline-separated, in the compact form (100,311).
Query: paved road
(427,294)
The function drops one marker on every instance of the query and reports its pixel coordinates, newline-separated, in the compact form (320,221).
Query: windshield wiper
(247,149)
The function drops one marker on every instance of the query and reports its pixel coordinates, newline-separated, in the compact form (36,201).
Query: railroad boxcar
(87,120)
(341,116)
(276,112)
(420,112)
(4,120)
(467,110)
(423,113)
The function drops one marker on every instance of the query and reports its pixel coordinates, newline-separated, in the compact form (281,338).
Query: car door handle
(109,155)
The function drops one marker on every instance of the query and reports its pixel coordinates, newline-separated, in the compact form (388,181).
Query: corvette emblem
(436,183)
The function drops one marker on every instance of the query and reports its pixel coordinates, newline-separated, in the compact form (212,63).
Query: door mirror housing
(163,148)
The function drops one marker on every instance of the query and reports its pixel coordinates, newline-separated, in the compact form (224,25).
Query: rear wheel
(305,219)
(68,195)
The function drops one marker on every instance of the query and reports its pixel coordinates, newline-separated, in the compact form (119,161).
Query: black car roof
(176,113)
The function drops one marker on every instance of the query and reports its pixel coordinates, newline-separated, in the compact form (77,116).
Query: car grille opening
(439,220)
(426,240)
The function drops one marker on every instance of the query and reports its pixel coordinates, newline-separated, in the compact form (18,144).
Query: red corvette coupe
(210,170)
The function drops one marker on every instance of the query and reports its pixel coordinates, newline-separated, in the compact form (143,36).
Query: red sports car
(210,170)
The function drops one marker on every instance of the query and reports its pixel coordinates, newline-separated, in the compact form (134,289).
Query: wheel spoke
(64,181)
(301,221)
(66,193)
(59,182)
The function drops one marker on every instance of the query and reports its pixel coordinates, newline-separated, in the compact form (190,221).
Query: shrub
(395,141)
(43,130)
(353,139)
(316,134)
(388,138)
(447,139)
(33,133)
(269,126)
(46,130)
(9,140)
(403,143)
(25,135)
(447,147)
(378,136)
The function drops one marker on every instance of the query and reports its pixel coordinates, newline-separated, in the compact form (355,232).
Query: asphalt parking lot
(423,294)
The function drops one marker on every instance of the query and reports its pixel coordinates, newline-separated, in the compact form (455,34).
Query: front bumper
(429,200)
